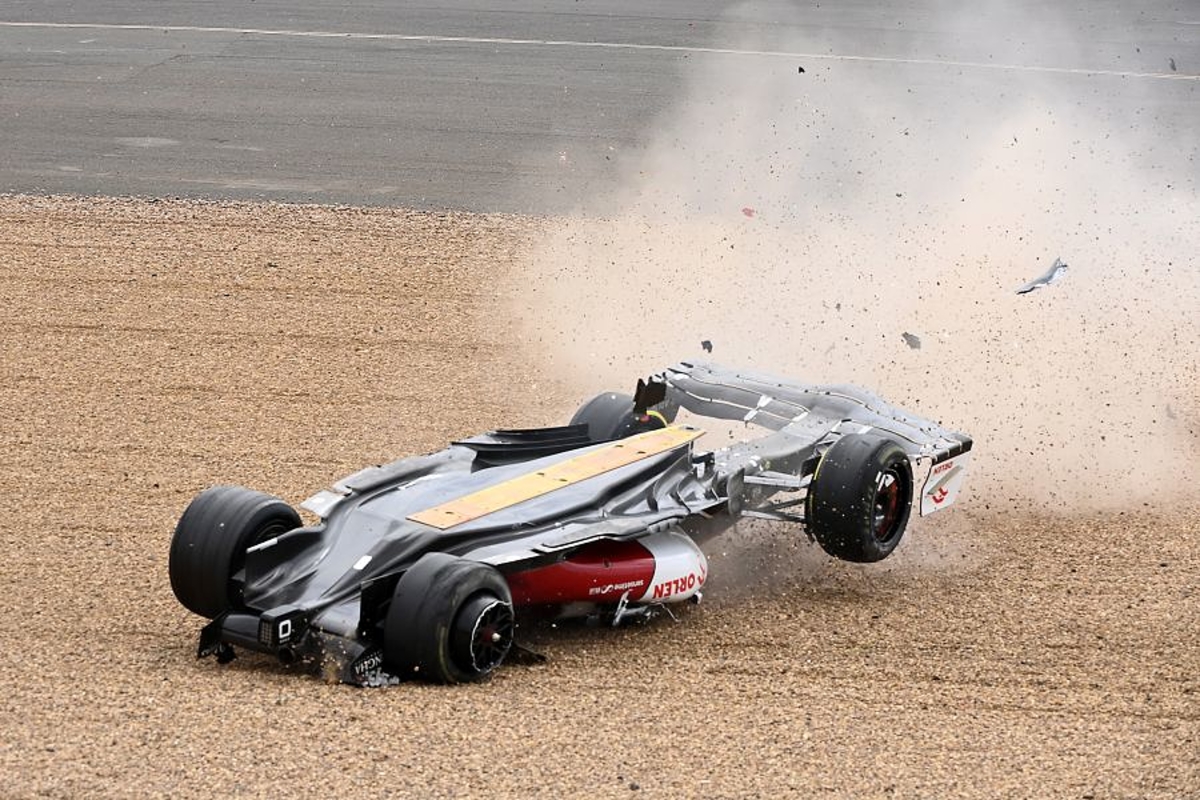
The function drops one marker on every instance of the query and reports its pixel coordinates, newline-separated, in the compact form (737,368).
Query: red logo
(675,586)
(939,496)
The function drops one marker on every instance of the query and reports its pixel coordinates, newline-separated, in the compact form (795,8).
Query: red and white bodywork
(664,567)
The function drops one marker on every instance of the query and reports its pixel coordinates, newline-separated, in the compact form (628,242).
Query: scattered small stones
(170,387)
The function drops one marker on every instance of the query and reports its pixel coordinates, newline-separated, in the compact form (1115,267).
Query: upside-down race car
(418,568)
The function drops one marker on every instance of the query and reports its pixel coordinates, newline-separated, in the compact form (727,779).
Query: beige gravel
(150,349)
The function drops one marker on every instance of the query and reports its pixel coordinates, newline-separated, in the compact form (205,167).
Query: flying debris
(912,340)
(707,345)
(1053,275)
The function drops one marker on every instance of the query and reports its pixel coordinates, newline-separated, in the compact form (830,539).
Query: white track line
(667,48)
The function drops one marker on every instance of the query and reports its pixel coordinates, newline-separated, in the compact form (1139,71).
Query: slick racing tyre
(610,416)
(451,621)
(208,549)
(860,498)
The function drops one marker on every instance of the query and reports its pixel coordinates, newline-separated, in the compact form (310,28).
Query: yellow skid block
(565,473)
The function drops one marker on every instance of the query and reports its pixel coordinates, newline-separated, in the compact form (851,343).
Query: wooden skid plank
(565,473)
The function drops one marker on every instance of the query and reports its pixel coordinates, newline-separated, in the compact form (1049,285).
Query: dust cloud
(805,221)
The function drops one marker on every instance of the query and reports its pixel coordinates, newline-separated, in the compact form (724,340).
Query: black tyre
(860,498)
(610,416)
(451,621)
(208,549)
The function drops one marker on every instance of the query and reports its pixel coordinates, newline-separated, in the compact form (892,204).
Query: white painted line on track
(666,48)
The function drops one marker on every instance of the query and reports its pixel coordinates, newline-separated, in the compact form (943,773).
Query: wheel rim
(887,510)
(483,633)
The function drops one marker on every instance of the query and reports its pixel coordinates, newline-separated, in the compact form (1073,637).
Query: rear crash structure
(420,568)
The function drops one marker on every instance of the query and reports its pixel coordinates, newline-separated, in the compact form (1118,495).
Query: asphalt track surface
(530,107)
(153,347)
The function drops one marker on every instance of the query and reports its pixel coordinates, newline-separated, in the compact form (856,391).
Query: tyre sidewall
(841,499)
(210,542)
(610,416)
(425,606)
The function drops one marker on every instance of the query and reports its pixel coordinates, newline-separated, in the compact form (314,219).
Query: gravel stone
(151,349)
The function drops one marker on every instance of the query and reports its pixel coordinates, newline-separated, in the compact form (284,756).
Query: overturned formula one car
(419,567)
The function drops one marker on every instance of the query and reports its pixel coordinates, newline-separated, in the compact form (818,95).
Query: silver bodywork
(806,420)
(327,585)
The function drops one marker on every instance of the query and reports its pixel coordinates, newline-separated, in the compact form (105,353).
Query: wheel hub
(886,512)
(483,633)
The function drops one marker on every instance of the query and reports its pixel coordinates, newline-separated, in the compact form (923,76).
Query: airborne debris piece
(707,345)
(749,212)
(912,340)
(420,568)
(801,70)
(1171,63)
(1053,275)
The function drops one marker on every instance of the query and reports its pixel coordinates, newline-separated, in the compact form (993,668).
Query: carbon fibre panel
(535,484)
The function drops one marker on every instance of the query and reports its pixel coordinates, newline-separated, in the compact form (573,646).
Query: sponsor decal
(368,664)
(945,480)
(676,586)
(615,587)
